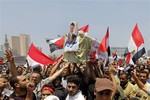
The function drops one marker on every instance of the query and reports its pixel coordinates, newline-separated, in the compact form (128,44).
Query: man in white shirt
(73,84)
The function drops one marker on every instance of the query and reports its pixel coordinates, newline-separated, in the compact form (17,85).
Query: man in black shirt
(23,90)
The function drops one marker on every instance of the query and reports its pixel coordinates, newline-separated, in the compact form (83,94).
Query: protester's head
(49,68)
(142,67)
(36,77)
(103,89)
(148,61)
(73,84)
(47,90)
(65,72)
(143,76)
(19,70)
(57,81)
(72,27)
(51,97)
(4,81)
(19,82)
(123,79)
(37,68)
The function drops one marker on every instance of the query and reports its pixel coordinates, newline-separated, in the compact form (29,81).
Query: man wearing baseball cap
(103,89)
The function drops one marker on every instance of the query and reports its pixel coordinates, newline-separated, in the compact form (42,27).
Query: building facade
(24,44)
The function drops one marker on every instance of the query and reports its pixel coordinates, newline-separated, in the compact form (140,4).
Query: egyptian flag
(35,57)
(84,30)
(56,44)
(135,45)
(1,62)
(128,57)
(114,55)
(104,47)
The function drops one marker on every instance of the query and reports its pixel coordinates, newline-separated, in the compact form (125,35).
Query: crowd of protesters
(75,81)
(71,81)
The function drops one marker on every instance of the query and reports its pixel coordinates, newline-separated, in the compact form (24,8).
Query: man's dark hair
(126,74)
(72,24)
(14,80)
(142,71)
(74,79)
(41,76)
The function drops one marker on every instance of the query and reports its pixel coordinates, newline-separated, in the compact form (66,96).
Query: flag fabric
(93,53)
(104,49)
(84,30)
(1,62)
(114,55)
(127,58)
(135,45)
(35,56)
(56,44)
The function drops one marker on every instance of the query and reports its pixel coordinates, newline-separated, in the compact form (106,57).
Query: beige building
(24,44)
(20,44)
(15,45)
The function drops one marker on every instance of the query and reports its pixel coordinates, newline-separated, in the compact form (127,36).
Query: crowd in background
(75,81)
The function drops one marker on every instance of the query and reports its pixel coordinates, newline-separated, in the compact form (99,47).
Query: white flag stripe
(131,45)
(54,40)
(32,62)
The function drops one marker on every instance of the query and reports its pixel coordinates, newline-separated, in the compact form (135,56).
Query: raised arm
(10,59)
(139,83)
(55,67)
(56,74)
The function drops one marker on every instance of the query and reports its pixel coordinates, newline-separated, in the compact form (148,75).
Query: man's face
(46,93)
(5,81)
(72,28)
(65,72)
(20,70)
(143,77)
(72,88)
(35,77)
(123,80)
(22,82)
(103,95)
(57,82)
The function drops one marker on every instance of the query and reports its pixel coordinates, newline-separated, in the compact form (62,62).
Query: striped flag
(56,44)
(104,48)
(35,57)
(114,55)
(84,30)
(135,45)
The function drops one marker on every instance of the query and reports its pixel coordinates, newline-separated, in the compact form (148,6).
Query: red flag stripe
(104,44)
(137,37)
(59,42)
(84,28)
(38,56)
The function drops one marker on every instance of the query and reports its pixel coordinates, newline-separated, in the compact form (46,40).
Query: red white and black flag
(56,44)
(135,46)
(104,48)
(84,30)
(35,56)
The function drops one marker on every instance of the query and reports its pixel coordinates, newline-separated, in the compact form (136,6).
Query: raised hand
(9,56)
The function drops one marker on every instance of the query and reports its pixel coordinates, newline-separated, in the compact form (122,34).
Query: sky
(49,18)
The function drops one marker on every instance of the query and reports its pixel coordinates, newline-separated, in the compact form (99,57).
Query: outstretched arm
(56,74)
(139,83)
(12,66)
(55,67)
